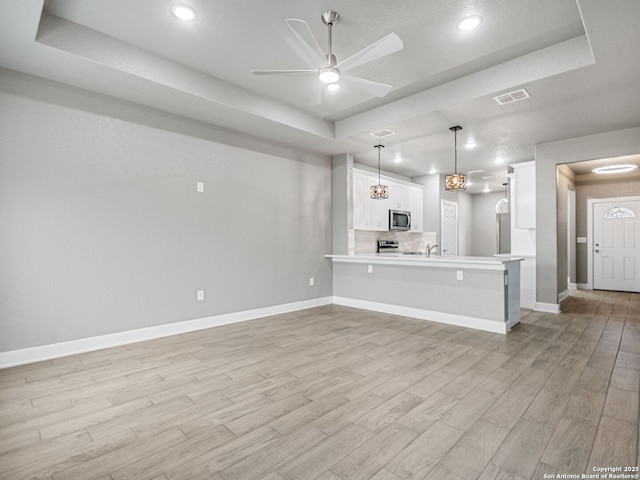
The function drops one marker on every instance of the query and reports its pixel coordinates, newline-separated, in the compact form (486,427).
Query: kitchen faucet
(430,249)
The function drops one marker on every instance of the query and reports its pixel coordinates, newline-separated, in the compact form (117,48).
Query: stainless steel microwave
(399,220)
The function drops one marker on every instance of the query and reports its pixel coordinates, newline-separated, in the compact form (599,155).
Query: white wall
(484,224)
(466,216)
(103,230)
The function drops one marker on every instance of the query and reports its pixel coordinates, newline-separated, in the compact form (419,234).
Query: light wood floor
(337,393)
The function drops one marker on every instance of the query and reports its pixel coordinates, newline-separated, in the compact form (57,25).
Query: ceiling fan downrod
(330,74)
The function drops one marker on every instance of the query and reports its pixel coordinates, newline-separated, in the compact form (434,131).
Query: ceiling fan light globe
(329,75)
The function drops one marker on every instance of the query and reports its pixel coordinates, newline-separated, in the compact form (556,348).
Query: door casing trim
(590,202)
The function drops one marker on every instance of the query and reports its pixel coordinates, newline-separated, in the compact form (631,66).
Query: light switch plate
(459,275)
(200,187)
(200,295)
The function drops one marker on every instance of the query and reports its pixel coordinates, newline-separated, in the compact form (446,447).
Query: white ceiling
(584,170)
(579,62)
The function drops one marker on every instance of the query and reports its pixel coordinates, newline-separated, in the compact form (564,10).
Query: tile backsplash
(367,242)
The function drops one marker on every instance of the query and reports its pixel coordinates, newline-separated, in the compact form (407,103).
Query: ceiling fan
(330,70)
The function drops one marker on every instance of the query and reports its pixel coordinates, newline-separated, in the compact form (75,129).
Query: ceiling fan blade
(373,88)
(385,46)
(284,72)
(308,42)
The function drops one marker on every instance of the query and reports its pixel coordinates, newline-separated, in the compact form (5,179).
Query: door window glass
(620,212)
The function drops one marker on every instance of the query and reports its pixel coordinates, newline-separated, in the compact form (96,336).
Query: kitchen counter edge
(480,263)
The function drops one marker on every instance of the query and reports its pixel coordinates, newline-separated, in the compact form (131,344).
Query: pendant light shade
(379,191)
(456,181)
(503,204)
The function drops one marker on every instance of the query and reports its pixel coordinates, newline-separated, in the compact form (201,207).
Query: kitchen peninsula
(475,292)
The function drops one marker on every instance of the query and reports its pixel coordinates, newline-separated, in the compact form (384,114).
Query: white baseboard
(563,295)
(573,286)
(583,286)
(546,307)
(82,345)
(440,317)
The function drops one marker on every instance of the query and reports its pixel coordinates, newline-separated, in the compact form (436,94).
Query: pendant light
(503,204)
(379,191)
(456,181)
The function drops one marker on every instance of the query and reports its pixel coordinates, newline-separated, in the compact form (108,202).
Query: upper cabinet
(416,207)
(524,184)
(370,214)
(360,206)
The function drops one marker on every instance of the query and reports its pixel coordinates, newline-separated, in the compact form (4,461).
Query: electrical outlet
(200,187)
(200,295)
(369,268)
(459,275)
(312,281)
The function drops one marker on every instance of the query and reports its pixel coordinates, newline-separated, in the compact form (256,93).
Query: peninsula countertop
(421,260)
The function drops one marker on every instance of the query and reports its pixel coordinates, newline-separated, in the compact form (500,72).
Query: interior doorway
(571,238)
(614,243)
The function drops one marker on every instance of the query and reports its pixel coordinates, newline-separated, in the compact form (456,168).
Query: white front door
(448,228)
(616,245)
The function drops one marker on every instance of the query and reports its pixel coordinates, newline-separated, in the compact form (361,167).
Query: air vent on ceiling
(385,132)
(512,96)
(471,172)
(489,177)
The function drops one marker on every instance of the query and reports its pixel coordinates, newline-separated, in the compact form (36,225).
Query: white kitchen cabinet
(378,208)
(373,214)
(416,207)
(360,205)
(368,213)
(398,196)
(525,194)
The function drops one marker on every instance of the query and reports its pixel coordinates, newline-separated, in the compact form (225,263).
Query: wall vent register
(385,132)
(511,97)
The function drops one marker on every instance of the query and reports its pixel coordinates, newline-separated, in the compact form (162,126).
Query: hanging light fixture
(379,191)
(456,181)
(503,204)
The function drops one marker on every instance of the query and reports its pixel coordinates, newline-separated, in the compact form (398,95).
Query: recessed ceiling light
(433,171)
(397,160)
(469,23)
(469,184)
(614,169)
(499,160)
(486,190)
(184,12)
(470,145)
(332,87)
